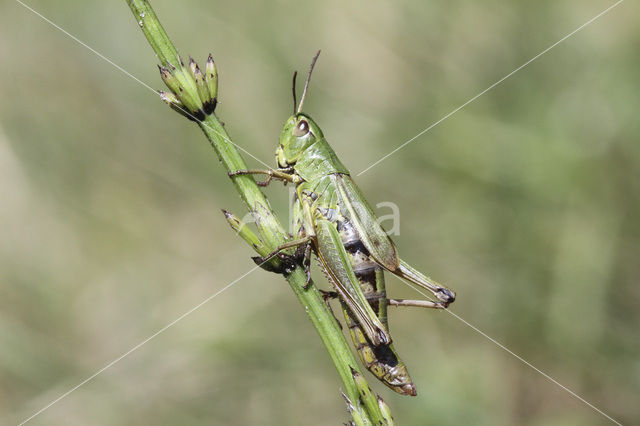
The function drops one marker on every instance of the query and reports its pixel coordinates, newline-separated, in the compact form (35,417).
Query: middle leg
(285,175)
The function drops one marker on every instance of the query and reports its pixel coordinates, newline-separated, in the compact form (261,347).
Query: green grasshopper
(334,220)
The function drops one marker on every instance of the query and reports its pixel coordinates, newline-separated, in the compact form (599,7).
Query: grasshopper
(334,221)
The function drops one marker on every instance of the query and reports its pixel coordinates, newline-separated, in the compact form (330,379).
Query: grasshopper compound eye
(301,129)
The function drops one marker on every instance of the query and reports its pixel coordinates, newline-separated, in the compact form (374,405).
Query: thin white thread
(518,357)
(136,347)
(110,364)
(492,86)
(127,73)
(374,164)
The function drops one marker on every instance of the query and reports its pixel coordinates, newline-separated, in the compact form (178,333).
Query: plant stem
(269,227)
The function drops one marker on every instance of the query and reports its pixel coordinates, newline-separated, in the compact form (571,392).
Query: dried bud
(211,78)
(193,67)
(245,232)
(175,104)
(169,98)
(203,92)
(170,80)
(360,382)
(353,410)
(385,410)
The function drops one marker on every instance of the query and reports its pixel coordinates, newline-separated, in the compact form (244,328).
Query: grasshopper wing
(375,239)
(336,264)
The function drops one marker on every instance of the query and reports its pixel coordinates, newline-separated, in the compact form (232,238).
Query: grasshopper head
(299,132)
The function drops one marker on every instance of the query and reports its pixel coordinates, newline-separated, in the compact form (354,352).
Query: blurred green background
(526,202)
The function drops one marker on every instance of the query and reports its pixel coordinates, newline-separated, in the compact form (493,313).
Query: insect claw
(446,296)
(307,284)
(265,182)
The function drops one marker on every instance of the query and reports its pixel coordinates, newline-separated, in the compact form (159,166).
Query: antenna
(306,84)
(293,87)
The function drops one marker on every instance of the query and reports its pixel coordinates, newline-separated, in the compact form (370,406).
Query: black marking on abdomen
(385,355)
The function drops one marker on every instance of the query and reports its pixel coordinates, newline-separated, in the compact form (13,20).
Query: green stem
(269,227)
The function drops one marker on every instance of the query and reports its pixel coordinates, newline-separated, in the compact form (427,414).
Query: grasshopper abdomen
(381,360)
